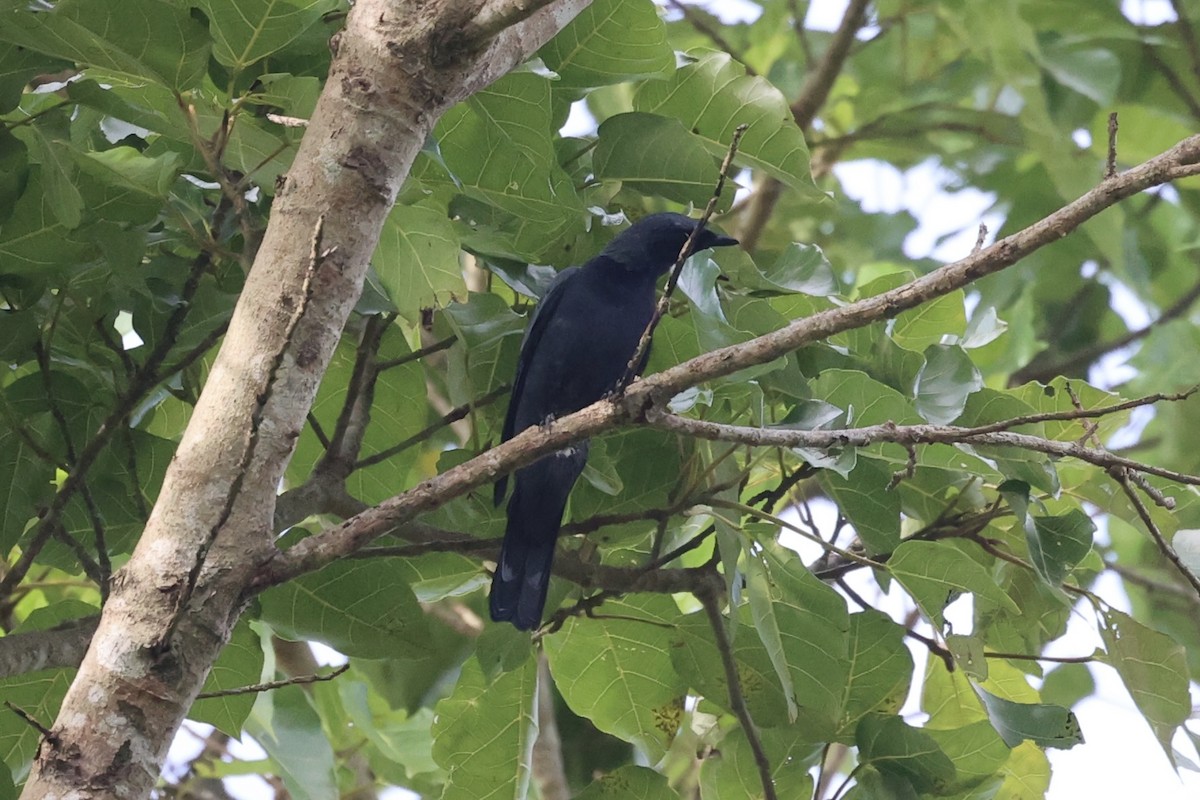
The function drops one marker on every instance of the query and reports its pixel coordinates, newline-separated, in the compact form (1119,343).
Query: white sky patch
(948,221)
(1148,12)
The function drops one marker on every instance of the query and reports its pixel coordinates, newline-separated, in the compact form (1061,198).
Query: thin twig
(416,355)
(450,418)
(664,302)
(258,688)
(1110,164)
(709,598)
(29,719)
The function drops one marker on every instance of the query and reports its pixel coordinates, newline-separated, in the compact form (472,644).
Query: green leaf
(987,406)
(27,482)
(800,268)
(1057,544)
(891,745)
(1153,668)
(611,41)
(483,733)
(945,382)
(498,145)
(246,31)
(935,573)
(140,39)
(924,326)
(632,782)
(880,668)
(1044,725)
(865,499)
(712,96)
(38,694)
(239,665)
(762,609)
(287,727)
(417,259)
(654,155)
(731,770)
(814,625)
(1093,72)
(617,671)
(361,608)
(976,750)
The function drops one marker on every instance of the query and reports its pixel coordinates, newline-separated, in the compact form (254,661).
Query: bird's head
(653,243)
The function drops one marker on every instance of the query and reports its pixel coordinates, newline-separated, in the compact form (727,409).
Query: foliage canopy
(140,148)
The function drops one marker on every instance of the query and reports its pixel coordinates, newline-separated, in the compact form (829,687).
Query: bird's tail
(535,513)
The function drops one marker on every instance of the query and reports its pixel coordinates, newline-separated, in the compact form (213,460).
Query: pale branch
(660,310)
(359,146)
(496,15)
(906,435)
(316,551)
(317,255)
(804,109)
(64,646)
(709,596)
(259,688)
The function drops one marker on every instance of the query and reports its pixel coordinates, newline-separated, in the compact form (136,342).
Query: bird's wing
(542,314)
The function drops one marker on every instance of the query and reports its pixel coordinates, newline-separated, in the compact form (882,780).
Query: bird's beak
(723,241)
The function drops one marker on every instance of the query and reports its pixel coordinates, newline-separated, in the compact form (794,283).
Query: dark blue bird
(579,343)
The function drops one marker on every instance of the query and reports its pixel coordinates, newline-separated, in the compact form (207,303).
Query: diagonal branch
(312,553)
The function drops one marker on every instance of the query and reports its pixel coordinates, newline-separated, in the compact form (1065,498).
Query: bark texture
(397,67)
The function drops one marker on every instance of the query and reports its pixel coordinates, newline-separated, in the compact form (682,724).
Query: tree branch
(906,435)
(312,553)
(709,597)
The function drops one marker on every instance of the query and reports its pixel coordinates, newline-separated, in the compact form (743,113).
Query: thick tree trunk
(398,66)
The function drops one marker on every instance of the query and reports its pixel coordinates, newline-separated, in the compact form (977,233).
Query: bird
(577,348)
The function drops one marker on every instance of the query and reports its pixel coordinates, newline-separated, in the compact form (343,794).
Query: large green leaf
(483,733)
(143,39)
(880,668)
(1043,724)
(609,42)
(893,746)
(417,259)
(498,146)
(361,608)
(654,155)
(712,96)
(245,31)
(616,670)
(239,665)
(632,782)
(935,573)
(1154,669)
(288,728)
